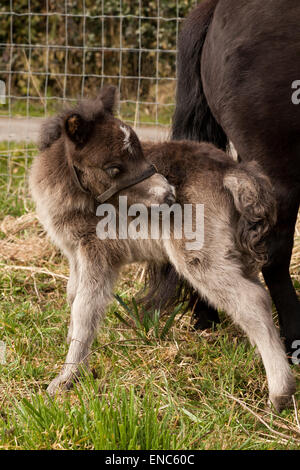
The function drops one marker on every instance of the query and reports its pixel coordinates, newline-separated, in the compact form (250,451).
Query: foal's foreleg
(89,305)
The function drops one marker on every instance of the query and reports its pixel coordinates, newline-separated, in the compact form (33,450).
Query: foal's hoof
(60,384)
(280,403)
(284,400)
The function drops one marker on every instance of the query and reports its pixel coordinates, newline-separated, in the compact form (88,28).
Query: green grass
(147,114)
(152,386)
(15,160)
(32,108)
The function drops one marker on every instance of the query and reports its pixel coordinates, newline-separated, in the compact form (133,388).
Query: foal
(87,156)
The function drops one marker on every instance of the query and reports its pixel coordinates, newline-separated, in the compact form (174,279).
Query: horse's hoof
(205,318)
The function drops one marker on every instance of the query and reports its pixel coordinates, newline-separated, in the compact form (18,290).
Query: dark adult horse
(236,65)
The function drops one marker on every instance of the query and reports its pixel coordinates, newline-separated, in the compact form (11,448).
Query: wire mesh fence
(54,52)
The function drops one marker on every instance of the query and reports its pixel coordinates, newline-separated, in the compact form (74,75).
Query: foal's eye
(113,171)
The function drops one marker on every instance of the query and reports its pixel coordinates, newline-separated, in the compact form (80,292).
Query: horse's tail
(164,288)
(193,119)
(255,202)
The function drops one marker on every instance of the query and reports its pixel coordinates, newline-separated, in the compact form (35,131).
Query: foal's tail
(193,119)
(255,202)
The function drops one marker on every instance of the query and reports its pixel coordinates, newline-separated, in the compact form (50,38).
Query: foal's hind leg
(248,304)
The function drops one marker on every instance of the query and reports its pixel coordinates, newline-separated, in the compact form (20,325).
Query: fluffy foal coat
(239,210)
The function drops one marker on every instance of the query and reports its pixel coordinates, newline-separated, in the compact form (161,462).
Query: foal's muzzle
(170,200)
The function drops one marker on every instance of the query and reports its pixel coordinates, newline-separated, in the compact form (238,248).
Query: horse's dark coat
(249,53)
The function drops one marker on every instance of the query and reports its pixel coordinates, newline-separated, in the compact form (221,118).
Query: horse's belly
(250,60)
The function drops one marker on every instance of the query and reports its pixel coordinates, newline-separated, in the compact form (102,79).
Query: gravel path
(23,129)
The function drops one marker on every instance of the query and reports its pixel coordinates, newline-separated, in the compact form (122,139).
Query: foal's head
(105,156)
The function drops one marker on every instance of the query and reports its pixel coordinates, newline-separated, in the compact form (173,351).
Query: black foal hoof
(205,318)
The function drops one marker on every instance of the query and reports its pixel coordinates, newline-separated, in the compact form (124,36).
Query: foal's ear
(77,129)
(109,96)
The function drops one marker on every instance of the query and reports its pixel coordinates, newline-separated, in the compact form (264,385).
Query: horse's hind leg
(277,276)
(248,304)
(205,316)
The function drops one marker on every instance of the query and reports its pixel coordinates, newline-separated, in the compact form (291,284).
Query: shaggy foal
(87,155)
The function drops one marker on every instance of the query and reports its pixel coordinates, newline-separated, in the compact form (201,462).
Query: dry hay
(24,242)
